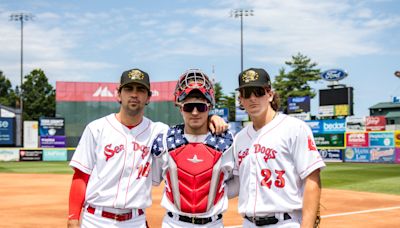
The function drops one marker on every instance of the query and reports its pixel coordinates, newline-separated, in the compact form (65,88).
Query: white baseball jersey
(162,165)
(118,161)
(272,164)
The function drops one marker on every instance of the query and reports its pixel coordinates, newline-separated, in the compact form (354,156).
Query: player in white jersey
(277,163)
(193,162)
(112,162)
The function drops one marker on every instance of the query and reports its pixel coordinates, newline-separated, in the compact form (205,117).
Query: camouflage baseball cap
(135,76)
(254,77)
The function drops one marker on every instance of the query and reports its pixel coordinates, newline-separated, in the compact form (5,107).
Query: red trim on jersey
(81,165)
(123,167)
(311,166)
(77,194)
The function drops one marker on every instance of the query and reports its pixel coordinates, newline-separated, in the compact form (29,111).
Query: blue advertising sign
(222,112)
(315,125)
(298,104)
(332,155)
(49,126)
(53,141)
(7,131)
(381,139)
(334,126)
(333,75)
(55,155)
(357,155)
(383,155)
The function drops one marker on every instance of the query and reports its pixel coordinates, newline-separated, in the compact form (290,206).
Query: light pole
(241,13)
(21,17)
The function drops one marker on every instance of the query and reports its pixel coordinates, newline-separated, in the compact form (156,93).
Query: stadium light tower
(21,17)
(241,13)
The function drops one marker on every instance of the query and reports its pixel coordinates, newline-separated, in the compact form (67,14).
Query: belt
(262,221)
(117,217)
(194,220)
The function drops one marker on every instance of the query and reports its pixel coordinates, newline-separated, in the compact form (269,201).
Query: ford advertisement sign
(333,75)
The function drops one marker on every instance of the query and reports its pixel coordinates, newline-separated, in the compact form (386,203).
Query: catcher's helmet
(194,79)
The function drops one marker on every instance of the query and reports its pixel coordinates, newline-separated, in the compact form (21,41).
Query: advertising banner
(31,134)
(315,125)
(7,131)
(302,116)
(31,155)
(355,124)
(332,155)
(375,123)
(342,110)
(397,138)
(51,126)
(53,141)
(397,159)
(381,139)
(9,154)
(327,110)
(357,155)
(108,92)
(221,112)
(329,140)
(298,104)
(55,155)
(382,155)
(357,139)
(334,126)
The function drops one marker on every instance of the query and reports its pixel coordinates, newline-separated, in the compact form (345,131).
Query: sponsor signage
(327,110)
(382,155)
(357,155)
(108,92)
(397,157)
(333,75)
(9,154)
(329,140)
(342,110)
(222,112)
(375,123)
(31,155)
(55,155)
(397,138)
(7,131)
(354,124)
(31,134)
(57,141)
(357,139)
(302,116)
(381,139)
(331,155)
(51,126)
(334,126)
(298,104)
(315,125)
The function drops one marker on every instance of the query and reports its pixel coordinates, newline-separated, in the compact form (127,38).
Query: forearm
(77,197)
(312,194)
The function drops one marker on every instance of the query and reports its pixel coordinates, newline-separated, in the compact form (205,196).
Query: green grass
(35,167)
(382,178)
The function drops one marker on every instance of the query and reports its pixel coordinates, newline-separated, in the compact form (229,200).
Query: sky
(95,41)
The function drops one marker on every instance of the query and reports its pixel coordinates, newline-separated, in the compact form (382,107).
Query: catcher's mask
(194,79)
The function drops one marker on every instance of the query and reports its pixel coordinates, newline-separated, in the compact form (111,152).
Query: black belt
(262,221)
(194,220)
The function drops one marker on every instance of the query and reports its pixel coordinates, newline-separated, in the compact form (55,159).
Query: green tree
(296,82)
(224,101)
(38,96)
(8,96)
(218,94)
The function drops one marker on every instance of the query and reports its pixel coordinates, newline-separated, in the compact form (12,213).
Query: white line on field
(344,214)
(361,212)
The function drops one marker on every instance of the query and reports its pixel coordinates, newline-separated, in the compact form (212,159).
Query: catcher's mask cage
(194,79)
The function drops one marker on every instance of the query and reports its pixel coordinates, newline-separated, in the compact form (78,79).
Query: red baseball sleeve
(77,194)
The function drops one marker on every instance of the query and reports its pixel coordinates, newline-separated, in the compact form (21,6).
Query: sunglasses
(247,91)
(189,107)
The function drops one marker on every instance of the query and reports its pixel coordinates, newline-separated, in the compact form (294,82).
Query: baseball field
(35,194)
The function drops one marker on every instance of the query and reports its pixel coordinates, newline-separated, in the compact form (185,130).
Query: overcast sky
(97,40)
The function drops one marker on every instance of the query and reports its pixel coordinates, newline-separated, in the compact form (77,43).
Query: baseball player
(112,162)
(193,162)
(277,164)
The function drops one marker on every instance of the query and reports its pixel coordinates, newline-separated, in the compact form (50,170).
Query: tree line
(38,96)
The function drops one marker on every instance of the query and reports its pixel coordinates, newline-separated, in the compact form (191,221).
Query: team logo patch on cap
(135,75)
(249,76)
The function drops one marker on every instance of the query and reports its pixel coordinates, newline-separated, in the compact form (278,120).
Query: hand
(217,125)
(73,223)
